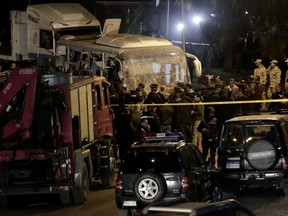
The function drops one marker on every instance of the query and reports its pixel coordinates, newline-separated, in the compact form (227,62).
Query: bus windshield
(164,66)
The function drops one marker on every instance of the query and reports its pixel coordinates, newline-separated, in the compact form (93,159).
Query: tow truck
(56,134)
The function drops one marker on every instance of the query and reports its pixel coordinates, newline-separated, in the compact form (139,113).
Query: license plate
(232,164)
(129,203)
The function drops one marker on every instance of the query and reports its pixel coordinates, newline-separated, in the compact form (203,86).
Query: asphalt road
(101,202)
(262,201)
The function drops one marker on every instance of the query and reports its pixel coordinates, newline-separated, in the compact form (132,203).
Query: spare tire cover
(261,155)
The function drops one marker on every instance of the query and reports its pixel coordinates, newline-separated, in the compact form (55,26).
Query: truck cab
(56,134)
(34,32)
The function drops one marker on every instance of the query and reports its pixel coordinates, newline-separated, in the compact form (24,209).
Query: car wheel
(150,188)
(194,193)
(65,197)
(216,193)
(123,212)
(261,155)
(282,189)
(229,190)
(228,194)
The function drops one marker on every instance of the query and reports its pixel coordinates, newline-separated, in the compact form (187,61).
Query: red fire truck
(56,134)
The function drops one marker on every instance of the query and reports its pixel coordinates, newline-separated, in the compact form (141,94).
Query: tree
(263,21)
(136,18)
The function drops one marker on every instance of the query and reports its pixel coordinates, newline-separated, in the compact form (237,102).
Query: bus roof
(131,41)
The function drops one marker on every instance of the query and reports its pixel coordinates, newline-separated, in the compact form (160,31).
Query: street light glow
(197,19)
(180,26)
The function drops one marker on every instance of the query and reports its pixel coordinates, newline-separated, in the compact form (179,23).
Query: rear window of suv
(239,134)
(140,160)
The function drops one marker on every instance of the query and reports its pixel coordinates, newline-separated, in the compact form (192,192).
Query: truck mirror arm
(197,64)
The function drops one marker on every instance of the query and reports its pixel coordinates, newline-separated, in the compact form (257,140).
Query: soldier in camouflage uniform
(274,74)
(260,80)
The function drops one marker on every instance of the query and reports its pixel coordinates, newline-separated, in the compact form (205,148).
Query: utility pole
(183,30)
(168,17)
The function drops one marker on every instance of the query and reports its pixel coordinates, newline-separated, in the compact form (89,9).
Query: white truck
(34,32)
(71,38)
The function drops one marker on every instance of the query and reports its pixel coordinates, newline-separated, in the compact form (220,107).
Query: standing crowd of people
(162,112)
(181,109)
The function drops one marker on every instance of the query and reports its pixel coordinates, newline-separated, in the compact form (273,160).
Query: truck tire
(104,146)
(261,155)
(150,188)
(65,198)
(107,170)
(107,163)
(80,194)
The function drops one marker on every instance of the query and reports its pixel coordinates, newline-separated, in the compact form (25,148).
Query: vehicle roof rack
(174,136)
(261,112)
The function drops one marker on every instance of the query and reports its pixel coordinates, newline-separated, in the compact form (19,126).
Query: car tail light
(119,185)
(184,184)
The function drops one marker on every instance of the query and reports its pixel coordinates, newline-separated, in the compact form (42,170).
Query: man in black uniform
(208,127)
(153,97)
(125,131)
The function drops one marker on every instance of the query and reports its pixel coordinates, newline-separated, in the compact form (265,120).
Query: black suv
(253,150)
(164,167)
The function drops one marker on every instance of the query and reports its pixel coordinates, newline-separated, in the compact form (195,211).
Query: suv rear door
(199,179)
(249,145)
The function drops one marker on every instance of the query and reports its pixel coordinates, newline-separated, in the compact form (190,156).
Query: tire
(65,198)
(194,193)
(216,193)
(261,155)
(123,212)
(107,165)
(104,146)
(150,188)
(126,212)
(282,190)
(228,194)
(229,190)
(80,194)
